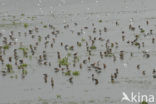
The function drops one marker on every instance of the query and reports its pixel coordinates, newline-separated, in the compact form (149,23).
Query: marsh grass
(58,96)
(9,68)
(45,26)
(68,73)
(76,73)
(142,30)
(22,14)
(83,40)
(93,47)
(22,66)
(64,61)
(5,47)
(69,54)
(24,72)
(76,59)
(24,51)
(39,38)
(71,48)
(109,55)
(136,44)
(144,102)
(100,21)
(79,44)
(26,25)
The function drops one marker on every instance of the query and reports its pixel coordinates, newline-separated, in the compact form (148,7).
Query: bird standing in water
(45,78)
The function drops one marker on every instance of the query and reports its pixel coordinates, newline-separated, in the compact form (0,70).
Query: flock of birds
(17,62)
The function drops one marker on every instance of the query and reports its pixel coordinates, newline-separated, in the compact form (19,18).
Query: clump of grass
(9,67)
(45,102)
(14,16)
(3,19)
(11,76)
(24,51)
(45,26)
(22,14)
(142,30)
(93,47)
(76,59)
(68,73)
(71,48)
(79,44)
(64,61)
(22,66)
(112,45)
(24,72)
(34,17)
(76,73)
(39,38)
(109,54)
(58,96)
(83,40)
(25,25)
(30,57)
(100,21)
(69,54)
(137,36)
(92,101)
(144,102)
(136,44)
(14,23)
(5,47)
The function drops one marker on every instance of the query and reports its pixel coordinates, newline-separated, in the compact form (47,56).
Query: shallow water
(33,90)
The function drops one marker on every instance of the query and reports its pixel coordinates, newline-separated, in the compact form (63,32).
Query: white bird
(125,65)
(131,21)
(16,39)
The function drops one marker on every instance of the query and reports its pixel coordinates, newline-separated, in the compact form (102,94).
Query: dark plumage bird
(71,80)
(96,81)
(143,73)
(45,78)
(52,82)
(112,78)
(154,71)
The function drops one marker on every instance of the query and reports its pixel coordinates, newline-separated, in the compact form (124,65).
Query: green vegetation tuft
(22,14)
(144,102)
(83,40)
(24,72)
(22,66)
(9,68)
(142,30)
(79,44)
(93,47)
(24,51)
(76,73)
(6,47)
(64,61)
(68,73)
(58,96)
(100,21)
(45,26)
(25,25)
(69,54)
